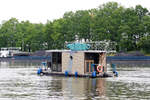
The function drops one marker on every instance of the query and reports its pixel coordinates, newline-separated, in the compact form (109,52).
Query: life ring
(100,68)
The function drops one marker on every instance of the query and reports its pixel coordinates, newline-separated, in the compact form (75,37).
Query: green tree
(69,27)
(83,25)
(129,27)
(133,28)
(8,33)
(48,30)
(107,22)
(144,44)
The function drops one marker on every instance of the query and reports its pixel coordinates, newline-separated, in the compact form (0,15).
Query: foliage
(144,44)
(129,27)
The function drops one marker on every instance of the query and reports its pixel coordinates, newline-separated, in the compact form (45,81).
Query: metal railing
(107,46)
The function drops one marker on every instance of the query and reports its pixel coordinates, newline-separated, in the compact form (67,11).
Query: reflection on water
(18,81)
(21,63)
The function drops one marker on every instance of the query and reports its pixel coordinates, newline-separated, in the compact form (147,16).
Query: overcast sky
(37,11)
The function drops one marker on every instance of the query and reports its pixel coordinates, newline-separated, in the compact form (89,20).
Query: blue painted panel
(78,46)
(128,58)
(31,57)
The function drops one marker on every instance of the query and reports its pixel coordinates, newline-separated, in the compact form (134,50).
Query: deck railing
(107,46)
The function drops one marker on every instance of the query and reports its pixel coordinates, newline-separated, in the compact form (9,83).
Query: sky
(39,11)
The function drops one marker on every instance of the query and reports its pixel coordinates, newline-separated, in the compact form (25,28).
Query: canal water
(19,81)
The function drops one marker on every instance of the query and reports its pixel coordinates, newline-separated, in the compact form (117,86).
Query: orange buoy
(100,68)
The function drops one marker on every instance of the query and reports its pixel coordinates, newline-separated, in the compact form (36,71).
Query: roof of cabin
(58,50)
(86,51)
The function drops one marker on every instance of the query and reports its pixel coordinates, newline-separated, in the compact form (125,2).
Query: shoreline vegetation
(128,27)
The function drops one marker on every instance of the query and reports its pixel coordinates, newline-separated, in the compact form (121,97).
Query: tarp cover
(78,46)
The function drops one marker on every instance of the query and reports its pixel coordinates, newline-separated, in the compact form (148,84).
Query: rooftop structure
(106,46)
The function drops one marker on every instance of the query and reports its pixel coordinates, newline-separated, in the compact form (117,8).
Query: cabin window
(90,59)
(87,66)
(56,61)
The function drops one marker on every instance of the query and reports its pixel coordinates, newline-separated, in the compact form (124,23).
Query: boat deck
(102,75)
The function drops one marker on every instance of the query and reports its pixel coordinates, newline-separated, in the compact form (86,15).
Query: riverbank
(29,58)
(130,61)
(118,60)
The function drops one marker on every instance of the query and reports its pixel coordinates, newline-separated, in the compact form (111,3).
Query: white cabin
(4,52)
(9,51)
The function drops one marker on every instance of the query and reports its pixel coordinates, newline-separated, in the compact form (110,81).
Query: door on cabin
(56,62)
(88,66)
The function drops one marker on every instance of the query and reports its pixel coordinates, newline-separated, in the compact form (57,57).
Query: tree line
(128,27)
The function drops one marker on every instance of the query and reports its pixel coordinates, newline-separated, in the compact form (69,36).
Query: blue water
(19,81)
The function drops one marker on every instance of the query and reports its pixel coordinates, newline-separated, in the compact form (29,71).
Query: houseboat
(79,61)
(9,51)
